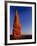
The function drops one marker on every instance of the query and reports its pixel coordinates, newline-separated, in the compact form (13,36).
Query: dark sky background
(25,17)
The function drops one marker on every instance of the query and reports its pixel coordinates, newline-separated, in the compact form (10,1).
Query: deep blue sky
(25,17)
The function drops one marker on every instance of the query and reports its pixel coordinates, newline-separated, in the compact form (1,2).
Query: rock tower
(16,27)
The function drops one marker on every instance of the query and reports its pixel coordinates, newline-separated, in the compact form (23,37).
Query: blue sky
(25,17)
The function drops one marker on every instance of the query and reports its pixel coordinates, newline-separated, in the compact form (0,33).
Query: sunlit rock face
(16,27)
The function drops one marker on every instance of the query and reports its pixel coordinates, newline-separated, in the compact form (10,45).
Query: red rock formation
(16,27)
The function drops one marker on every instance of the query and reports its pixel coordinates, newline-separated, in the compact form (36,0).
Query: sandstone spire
(16,27)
